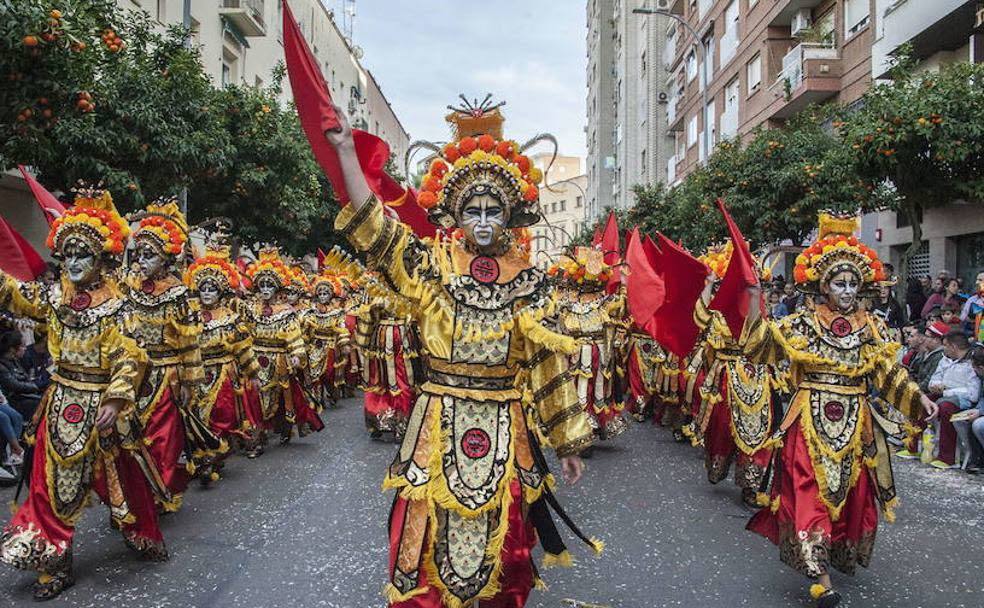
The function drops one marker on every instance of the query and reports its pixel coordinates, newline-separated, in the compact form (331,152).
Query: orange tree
(923,136)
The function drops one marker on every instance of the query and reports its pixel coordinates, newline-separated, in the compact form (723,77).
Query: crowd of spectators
(24,375)
(939,323)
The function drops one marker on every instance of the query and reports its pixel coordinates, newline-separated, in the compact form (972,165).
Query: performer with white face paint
(161,317)
(326,337)
(83,438)
(278,343)
(470,474)
(832,468)
(228,398)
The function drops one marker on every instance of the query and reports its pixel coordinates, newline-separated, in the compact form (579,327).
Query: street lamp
(699,56)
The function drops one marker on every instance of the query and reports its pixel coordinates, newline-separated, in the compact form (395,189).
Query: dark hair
(957,338)
(10,340)
(977,356)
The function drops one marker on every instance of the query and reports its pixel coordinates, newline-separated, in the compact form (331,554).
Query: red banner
(731,298)
(17,257)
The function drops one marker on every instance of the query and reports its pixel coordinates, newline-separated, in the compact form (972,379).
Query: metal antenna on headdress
(417,145)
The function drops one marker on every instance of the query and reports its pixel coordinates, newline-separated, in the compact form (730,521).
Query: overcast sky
(529,53)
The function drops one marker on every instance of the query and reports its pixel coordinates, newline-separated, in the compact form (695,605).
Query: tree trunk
(911,210)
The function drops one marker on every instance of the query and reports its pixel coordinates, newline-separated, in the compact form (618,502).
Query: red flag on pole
(49,204)
(610,246)
(645,289)
(317,115)
(731,298)
(683,276)
(17,257)
(596,238)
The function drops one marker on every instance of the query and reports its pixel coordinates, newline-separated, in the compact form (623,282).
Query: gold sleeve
(17,303)
(294,338)
(893,381)
(187,329)
(762,342)
(342,332)
(562,419)
(243,351)
(127,364)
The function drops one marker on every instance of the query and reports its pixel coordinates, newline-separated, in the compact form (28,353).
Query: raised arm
(355,181)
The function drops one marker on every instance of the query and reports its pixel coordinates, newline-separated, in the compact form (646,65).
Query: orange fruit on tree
(30,41)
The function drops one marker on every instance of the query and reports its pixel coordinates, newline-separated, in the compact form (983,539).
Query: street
(305,525)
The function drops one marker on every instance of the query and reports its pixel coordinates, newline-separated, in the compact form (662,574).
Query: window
(692,131)
(708,59)
(729,39)
(578,202)
(691,66)
(856,13)
(642,164)
(752,3)
(553,207)
(563,205)
(826,29)
(729,119)
(753,71)
(710,118)
(703,7)
(669,51)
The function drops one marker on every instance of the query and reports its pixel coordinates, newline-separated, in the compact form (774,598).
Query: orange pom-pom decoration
(431,184)
(504,149)
(426,199)
(486,142)
(531,194)
(523,162)
(467,145)
(799,274)
(451,153)
(438,167)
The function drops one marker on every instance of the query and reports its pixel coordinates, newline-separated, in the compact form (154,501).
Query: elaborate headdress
(836,250)
(480,161)
(299,278)
(94,220)
(585,269)
(269,264)
(213,266)
(163,224)
(717,257)
(327,277)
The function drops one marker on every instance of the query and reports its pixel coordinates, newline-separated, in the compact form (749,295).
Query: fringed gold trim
(564,559)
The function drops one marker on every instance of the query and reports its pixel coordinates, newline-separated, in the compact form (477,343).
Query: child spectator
(950,315)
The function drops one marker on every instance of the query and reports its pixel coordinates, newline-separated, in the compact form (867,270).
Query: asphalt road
(304,525)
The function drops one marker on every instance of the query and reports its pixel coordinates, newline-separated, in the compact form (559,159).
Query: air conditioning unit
(664,5)
(662,97)
(802,21)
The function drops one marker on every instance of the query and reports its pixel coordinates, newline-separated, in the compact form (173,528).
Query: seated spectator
(912,338)
(951,316)
(777,309)
(921,369)
(972,427)
(935,316)
(11,427)
(950,294)
(17,384)
(956,387)
(790,297)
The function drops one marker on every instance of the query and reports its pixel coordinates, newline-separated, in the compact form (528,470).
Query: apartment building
(763,61)
(629,143)
(562,200)
(940,32)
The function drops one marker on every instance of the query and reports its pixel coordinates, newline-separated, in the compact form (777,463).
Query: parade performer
(228,397)
(644,360)
(472,483)
(590,315)
(833,467)
(326,337)
(355,362)
(82,434)
(278,344)
(161,318)
(733,417)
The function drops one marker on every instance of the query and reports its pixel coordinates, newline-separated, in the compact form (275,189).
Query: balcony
(246,15)
(671,110)
(784,11)
(810,74)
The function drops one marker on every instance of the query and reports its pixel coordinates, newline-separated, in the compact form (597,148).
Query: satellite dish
(357,52)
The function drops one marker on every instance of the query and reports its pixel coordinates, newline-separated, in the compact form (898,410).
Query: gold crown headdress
(584,268)
(480,161)
(92,219)
(836,250)
(216,266)
(269,264)
(163,224)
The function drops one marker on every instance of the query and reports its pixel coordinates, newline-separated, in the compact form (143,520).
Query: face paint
(267,288)
(293,296)
(150,260)
(81,263)
(324,293)
(842,290)
(209,293)
(483,220)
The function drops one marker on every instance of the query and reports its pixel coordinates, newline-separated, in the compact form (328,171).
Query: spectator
(910,348)
(970,314)
(21,390)
(972,426)
(887,309)
(949,295)
(915,299)
(11,427)
(790,298)
(921,370)
(956,387)
(777,309)
(935,316)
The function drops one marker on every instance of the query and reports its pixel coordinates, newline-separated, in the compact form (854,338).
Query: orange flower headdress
(163,225)
(836,250)
(585,269)
(480,160)
(93,219)
(216,266)
(327,277)
(717,258)
(270,265)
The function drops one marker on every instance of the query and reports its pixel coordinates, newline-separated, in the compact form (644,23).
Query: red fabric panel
(17,257)
(683,276)
(731,298)
(165,433)
(645,290)
(46,200)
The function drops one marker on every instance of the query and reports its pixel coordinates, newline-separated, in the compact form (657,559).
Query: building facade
(563,203)
(600,105)
(939,32)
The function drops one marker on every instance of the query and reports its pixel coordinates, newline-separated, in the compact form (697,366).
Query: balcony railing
(247,15)
(671,110)
(794,63)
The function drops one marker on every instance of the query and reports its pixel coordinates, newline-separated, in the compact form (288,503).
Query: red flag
(612,250)
(653,254)
(683,276)
(321,259)
(645,290)
(596,239)
(317,115)
(46,200)
(731,298)
(17,257)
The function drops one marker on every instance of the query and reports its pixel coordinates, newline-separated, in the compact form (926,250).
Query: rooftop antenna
(348,19)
